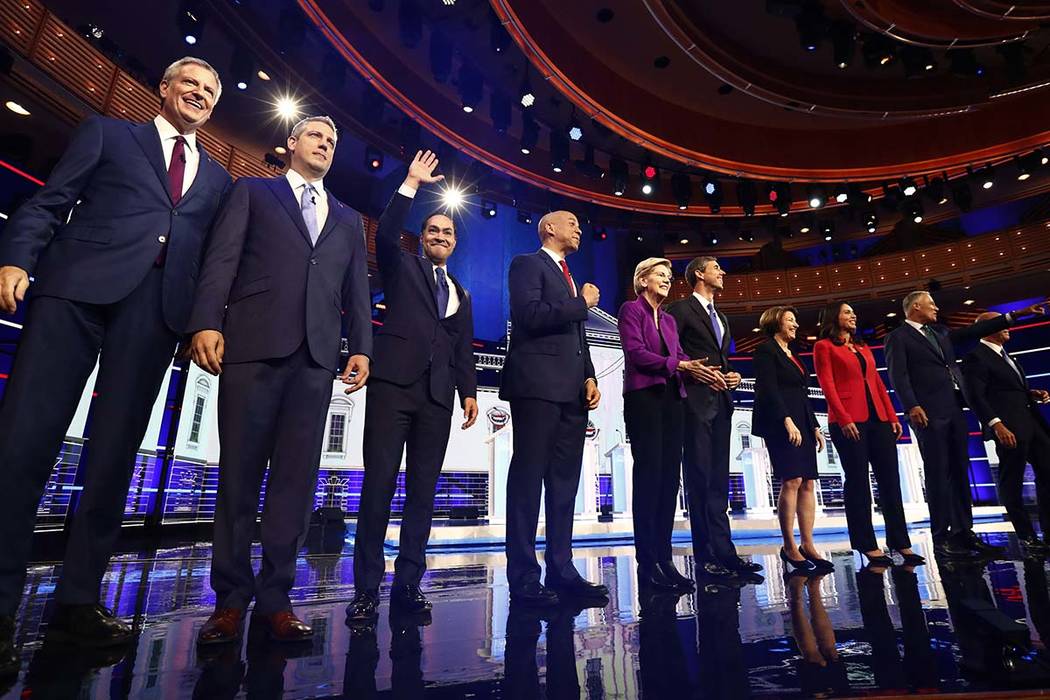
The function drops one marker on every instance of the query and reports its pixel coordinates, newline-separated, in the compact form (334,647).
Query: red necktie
(177,169)
(568,277)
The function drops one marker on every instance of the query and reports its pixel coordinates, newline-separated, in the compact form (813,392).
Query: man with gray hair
(930,387)
(283,278)
(112,284)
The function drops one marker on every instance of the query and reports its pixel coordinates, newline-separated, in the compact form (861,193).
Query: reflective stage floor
(854,632)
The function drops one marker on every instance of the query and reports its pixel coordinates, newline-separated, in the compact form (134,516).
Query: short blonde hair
(645,267)
(773,317)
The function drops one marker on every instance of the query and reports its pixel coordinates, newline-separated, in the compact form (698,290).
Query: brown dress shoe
(286,627)
(224,625)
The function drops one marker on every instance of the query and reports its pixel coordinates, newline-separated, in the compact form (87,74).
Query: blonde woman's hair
(645,267)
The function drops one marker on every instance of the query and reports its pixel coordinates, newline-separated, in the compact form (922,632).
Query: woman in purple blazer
(655,369)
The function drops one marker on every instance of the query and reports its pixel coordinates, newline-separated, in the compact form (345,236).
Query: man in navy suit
(115,277)
(704,334)
(549,381)
(283,275)
(930,387)
(423,355)
(1007,408)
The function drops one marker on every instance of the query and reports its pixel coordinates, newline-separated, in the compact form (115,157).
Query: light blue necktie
(715,324)
(309,207)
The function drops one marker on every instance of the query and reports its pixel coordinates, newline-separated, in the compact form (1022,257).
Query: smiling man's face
(439,238)
(189,97)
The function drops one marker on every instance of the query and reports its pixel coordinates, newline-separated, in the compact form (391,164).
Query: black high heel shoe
(912,559)
(878,561)
(822,564)
(803,565)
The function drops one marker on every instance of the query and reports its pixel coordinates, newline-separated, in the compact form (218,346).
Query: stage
(936,628)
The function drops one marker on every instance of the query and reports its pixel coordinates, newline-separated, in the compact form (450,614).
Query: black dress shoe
(409,599)
(802,565)
(363,609)
(714,571)
(9,661)
(653,579)
(989,550)
(954,550)
(911,559)
(89,625)
(881,561)
(578,587)
(742,566)
(1033,547)
(821,564)
(681,582)
(534,594)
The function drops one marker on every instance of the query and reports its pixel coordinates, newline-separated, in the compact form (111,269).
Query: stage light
(287,108)
(684,241)
(712,240)
(915,211)
(713,193)
(891,314)
(871,221)
(559,148)
(373,159)
(961,194)
(964,62)
(599,233)
(17,108)
(488,209)
(650,179)
(1043,158)
(280,150)
(828,229)
(524,217)
(682,189)
(530,133)
(575,132)
(746,237)
(917,60)
(842,193)
(969,302)
(779,195)
(936,190)
(619,175)
(241,67)
(816,197)
(500,111)
(812,26)
(908,186)
(843,43)
(526,96)
(878,51)
(746,196)
(471,87)
(587,166)
(190,21)
(263,75)
(1026,165)
(987,177)
(452,198)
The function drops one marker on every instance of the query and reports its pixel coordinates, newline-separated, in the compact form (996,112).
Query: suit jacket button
(313,261)
(174,212)
(162,239)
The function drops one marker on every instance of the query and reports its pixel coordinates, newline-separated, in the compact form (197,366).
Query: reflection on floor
(936,628)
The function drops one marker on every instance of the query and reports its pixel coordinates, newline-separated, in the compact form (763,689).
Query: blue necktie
(1013,366)
(309,207)
(441,292)
(715,324)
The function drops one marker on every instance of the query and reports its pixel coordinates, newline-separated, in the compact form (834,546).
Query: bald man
(998,391)
(549,381)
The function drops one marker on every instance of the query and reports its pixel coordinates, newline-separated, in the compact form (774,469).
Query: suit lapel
(148,139)
(202,173)
(926,343)
(554,266)
(335,214)
(705,319)
(282,189)
(999,360)
(426,269)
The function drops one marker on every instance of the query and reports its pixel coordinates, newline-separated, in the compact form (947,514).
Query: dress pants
(58,349)
(878,447)
(945,448)
(397,417)
(1034,449)
(269,411)
(653,417)
(705,467)
(548,457)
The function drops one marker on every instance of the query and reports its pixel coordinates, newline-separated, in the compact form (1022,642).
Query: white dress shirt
(558,261)
(707,304)
(298,183)
(453,294)
(168,134)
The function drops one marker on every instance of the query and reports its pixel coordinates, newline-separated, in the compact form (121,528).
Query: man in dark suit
(549,381)
(115,277)
(283,275)
(704,333)
(423,355)
(930,387)
(1006,406)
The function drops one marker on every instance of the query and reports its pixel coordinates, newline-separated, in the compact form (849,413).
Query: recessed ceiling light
(263,75)
(684,241)
(969,302)
(17,108)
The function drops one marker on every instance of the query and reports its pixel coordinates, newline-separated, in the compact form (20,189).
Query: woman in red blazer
(864,430)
